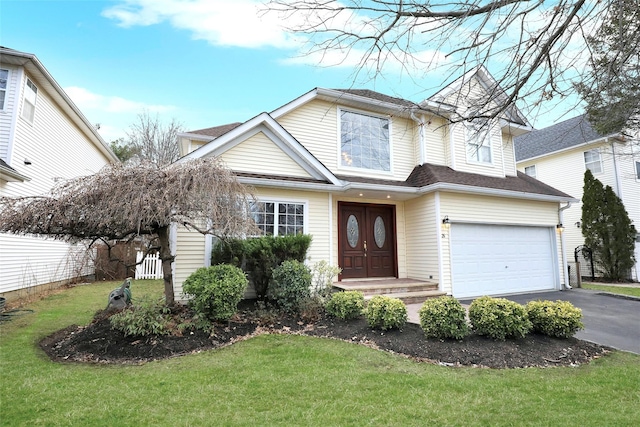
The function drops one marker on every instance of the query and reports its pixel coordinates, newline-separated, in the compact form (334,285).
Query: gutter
(565,268)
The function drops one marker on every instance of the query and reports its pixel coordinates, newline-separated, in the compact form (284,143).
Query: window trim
(6,89)
(277,202)
(599,161)
(535,171)
(339,140)
(25,100)
(637,165)
(468,141)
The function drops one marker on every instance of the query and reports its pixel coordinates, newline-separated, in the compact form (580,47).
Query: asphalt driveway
(610,320)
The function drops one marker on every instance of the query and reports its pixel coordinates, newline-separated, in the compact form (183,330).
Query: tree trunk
(167,260)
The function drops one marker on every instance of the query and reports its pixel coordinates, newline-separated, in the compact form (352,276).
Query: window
(4,78)
(638,170)
(364,141)
(29,105)
(478,141)
(530,170)
(592,161)
(279,218)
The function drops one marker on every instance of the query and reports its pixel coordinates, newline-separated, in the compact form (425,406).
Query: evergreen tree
(607,229)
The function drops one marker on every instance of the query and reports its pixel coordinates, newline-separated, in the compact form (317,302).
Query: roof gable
(274,132)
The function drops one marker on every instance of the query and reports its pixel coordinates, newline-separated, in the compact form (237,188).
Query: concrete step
(417,297)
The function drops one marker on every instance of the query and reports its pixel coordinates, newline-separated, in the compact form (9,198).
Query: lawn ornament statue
(120,297)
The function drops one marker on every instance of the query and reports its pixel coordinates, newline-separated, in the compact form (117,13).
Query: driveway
(609,320)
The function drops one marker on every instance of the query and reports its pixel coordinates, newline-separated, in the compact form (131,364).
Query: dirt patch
(98,343)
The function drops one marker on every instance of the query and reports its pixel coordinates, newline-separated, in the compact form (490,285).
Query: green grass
(291,380)
(623,290)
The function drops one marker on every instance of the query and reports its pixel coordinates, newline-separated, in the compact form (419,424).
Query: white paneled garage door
(498,259)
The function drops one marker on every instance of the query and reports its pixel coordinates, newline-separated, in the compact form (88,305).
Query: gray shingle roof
(216,131)
(366,93)
(566,134)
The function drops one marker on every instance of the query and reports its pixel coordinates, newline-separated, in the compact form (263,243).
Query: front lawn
(291,380)
(622,290)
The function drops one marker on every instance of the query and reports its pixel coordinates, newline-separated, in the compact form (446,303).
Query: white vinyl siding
(593,161)
(58,150)
(258,154)
(190,256)
(422,244)
(29,101)
(461,149)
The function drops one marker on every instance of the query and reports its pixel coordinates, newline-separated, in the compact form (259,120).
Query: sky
(201,62)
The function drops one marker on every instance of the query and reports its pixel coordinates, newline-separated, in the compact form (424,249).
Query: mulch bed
(98,343)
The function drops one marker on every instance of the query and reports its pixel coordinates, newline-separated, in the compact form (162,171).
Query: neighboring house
(388,188)
(44,138)
(560,154)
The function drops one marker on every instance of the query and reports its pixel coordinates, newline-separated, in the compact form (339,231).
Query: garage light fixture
(578,224)
(559,228)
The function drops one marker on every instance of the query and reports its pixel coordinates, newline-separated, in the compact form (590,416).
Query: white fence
(150,267)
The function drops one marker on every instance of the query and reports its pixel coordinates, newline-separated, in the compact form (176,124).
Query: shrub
(383,312)
(498,318)
(323,274)
(311,309)
(289,286)
(216,290)
(259,256)
(443,317)
(556,319)
(146,317)
(346,305)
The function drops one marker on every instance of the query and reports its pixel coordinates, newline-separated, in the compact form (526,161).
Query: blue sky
(202,62)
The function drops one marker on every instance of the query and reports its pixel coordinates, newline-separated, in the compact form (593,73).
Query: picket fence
(150,267)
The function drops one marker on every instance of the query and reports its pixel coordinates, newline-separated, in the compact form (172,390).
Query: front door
(366,240)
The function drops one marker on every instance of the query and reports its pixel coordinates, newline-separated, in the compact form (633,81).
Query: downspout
(616,171)
(420,123)
(565,267)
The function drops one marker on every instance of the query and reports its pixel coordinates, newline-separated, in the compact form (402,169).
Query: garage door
(495,259)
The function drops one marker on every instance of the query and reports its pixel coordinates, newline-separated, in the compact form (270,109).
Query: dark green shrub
(290,286)
(443,317)
(259,256)
(216,290)
(346,305)
(146,317)
(556,319)
(498,318)
(383,312)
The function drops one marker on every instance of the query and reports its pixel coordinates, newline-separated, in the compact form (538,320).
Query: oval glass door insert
(352,231)
(379,233)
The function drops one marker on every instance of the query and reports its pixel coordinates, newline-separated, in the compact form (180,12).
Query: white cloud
(87,100)
(220,22)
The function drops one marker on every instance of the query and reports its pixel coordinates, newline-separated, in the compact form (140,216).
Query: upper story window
(593,161)
(638,170)
(4,79)
(29,104)
(478,141)
(530,170)
(364,141)
(278,218)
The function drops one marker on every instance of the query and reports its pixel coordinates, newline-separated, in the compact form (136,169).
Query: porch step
(408,290)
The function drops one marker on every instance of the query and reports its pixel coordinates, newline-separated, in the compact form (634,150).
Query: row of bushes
(499,318)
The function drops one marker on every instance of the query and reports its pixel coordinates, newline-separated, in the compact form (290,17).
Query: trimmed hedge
(383,312)
(216,290)
(556,319)
(290,286)
(498,318)
(346,305)
(259,256)
(443,317)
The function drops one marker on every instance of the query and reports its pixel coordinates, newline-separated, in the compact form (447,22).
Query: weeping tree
(139,201)
(607,229)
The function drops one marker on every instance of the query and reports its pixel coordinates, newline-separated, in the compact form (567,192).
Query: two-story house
(560,154)
(44,138)
(389,188)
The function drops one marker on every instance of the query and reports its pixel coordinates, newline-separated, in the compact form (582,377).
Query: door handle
(365,248)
